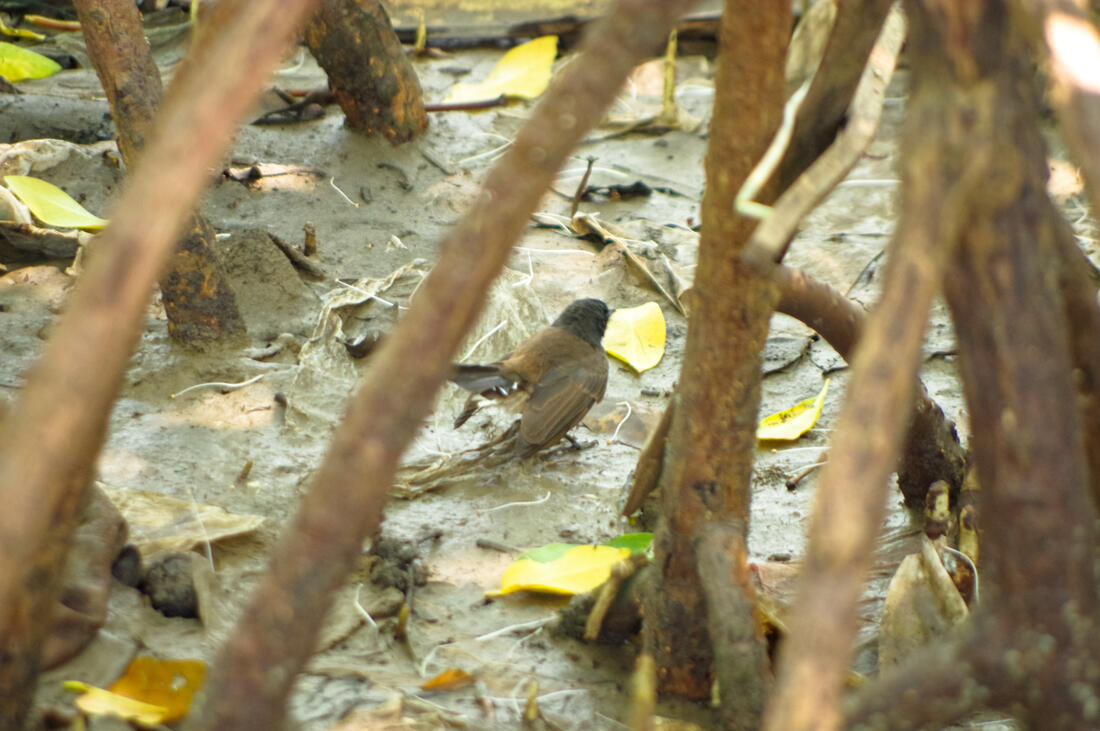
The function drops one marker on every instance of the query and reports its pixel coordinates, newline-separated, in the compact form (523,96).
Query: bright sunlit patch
(1075,50)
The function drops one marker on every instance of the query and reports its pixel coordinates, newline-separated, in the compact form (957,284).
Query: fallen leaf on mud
(922,604)
(18,63)
(636,542)
(523,72)
(587,225)
(790,424)
(50,242)
(20,32)
(51,205)
(159,523)
(636,336)
(448,680)
(151,691)
(561,568)
(170,684)
(98,702)
(629,423)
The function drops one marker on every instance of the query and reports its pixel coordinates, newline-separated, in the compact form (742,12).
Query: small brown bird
(553,378)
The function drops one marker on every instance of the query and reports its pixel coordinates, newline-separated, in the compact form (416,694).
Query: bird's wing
(562,397)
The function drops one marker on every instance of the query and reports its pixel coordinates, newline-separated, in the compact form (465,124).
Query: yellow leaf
(98,702)
(51,205)
(17,63)
(794,422)
(636,336)
(523,72)
(21,33)
(577,570)
(168,684)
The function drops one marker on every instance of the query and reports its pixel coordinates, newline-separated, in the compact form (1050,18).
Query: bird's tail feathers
(479,378)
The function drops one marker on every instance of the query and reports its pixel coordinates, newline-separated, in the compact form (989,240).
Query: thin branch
(62,412)
(276,632)
(770,239)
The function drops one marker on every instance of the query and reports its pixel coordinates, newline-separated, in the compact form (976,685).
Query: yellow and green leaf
(565,569)
(18,63)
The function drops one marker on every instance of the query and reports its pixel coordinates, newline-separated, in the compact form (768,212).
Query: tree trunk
(708,465)
(367,69)
(51,437)
(198,299)
(276,633)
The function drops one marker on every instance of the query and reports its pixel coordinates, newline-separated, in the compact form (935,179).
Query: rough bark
(1027,443)
(57,426)
(818,177)
(825,107)
(740,657)
(277,630)
(851,498)
(1069,43)
(1073,92)
(1032,649)
(198,299)
(708,463)
(1079,296)
(932,450)
(367,69)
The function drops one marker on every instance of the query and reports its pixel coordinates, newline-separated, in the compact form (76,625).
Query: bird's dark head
(587,319)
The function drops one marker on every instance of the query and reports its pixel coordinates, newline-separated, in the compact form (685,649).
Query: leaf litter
(192,449)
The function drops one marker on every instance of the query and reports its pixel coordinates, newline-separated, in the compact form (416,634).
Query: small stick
(309,246)
(467,106)
(243,473)
(580,188)
(489,545)
(227,387)
(643,693)
(53,23)
(793,482)
(332,182)
(615,434)
(421,42)
(298,259)
(534,624)
(483,338)
(362,611)
(541,500)
(364,292)
(744,203)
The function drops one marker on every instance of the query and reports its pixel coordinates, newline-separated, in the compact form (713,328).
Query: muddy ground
(378,210)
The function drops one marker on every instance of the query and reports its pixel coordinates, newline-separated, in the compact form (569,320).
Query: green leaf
(546,554)
(18,63)
(636,542)
(51,205)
